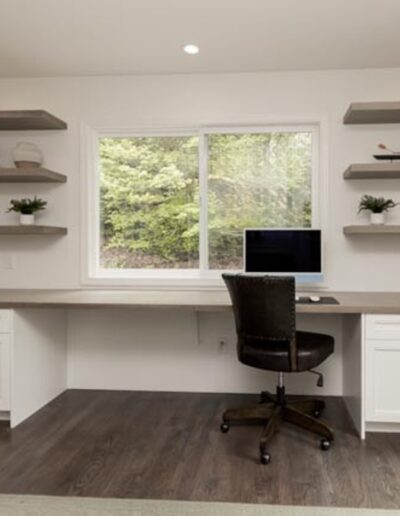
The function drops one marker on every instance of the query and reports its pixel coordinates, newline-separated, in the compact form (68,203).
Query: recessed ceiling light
(191,49)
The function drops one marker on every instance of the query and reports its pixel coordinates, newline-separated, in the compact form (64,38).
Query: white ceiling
(105,37)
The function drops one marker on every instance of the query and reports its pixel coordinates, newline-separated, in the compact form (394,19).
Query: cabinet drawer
(383,327)
(5,321)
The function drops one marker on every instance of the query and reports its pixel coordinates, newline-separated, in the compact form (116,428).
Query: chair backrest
(264,309)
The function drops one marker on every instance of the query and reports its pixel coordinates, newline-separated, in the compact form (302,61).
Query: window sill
(156,280)
(183,280)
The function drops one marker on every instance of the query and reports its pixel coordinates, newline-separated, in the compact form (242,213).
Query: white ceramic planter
(27,220)
(27,155)
(377,218)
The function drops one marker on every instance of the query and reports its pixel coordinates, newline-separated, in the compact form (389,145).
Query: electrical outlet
(223,345)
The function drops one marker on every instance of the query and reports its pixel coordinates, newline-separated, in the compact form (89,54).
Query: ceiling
(107,37)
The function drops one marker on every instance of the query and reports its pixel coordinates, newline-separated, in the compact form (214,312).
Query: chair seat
(312,349)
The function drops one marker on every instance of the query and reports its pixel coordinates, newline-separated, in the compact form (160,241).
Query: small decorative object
(390,154)
(27,155)
(377,206)
(27,209)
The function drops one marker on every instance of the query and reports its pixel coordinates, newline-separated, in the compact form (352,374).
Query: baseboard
(382,427)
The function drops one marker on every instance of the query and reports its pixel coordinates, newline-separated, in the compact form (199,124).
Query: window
(169,203)
(255,181)
(149,203)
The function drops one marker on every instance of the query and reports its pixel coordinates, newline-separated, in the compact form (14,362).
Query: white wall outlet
(223,345)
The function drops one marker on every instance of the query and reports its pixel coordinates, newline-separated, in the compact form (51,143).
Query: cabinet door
(5,321)
(5,367)
(383,381)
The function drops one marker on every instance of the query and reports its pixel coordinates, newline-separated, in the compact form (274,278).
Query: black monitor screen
(283,250)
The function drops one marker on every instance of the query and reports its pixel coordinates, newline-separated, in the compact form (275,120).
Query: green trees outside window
(149,202)
(150,192)
(255,181)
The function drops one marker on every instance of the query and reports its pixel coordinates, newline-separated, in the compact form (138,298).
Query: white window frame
(202,278)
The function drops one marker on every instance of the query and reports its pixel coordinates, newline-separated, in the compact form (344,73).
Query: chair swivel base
(273,411)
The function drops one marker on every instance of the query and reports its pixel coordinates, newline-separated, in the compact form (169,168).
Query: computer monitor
(284,251)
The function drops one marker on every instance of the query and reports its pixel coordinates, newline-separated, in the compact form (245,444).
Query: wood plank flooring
(168,446)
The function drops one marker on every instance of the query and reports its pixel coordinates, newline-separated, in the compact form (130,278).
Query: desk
(349,302)
(30,327)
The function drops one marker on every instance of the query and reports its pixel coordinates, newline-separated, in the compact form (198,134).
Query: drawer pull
(388,327)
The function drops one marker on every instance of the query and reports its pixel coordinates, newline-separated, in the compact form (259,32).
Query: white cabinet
(5,358)
(5,366)
(382,374)
(5,321)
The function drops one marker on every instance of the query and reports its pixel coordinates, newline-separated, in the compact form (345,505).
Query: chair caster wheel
(265,458)
(317,414)
(224,428)
(325,444)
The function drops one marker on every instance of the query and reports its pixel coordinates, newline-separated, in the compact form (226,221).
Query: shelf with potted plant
(377,207)
(27,208)
(388,168)
(32,230)
(370,229)
(28,169)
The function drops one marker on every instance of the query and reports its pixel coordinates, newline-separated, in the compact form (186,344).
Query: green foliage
(149,199)
(27,206)
(255,181)
(376,204)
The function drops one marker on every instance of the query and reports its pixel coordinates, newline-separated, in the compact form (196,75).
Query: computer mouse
(315,299)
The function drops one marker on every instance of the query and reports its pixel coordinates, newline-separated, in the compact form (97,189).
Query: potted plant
(27,209)
(377,206)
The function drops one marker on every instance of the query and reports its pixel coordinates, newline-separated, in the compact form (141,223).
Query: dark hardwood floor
(169,446)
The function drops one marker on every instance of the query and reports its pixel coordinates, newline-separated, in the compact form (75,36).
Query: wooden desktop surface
(349,302)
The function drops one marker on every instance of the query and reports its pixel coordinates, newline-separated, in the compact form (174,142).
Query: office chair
(265,319)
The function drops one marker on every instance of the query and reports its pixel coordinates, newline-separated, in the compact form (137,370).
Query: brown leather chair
(265,318)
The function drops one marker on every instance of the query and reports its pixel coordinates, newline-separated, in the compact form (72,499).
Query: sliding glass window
(181,202)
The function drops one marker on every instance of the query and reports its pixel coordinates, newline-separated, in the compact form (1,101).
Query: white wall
(165,350)
(179,100)
(351,263)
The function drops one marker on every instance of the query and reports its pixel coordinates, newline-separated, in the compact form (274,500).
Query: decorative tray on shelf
(387,157)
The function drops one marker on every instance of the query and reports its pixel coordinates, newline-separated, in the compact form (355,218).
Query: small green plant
(376,204)
(27,206)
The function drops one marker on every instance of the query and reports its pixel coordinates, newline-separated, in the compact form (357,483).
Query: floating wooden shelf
(30,175)
(384,229)
(32,230)
(373,113)
(390,170)
(29,120)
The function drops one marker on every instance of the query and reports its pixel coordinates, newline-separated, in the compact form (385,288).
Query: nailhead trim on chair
(292,342)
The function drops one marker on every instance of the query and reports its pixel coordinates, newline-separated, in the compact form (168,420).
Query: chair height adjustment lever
(320,381)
